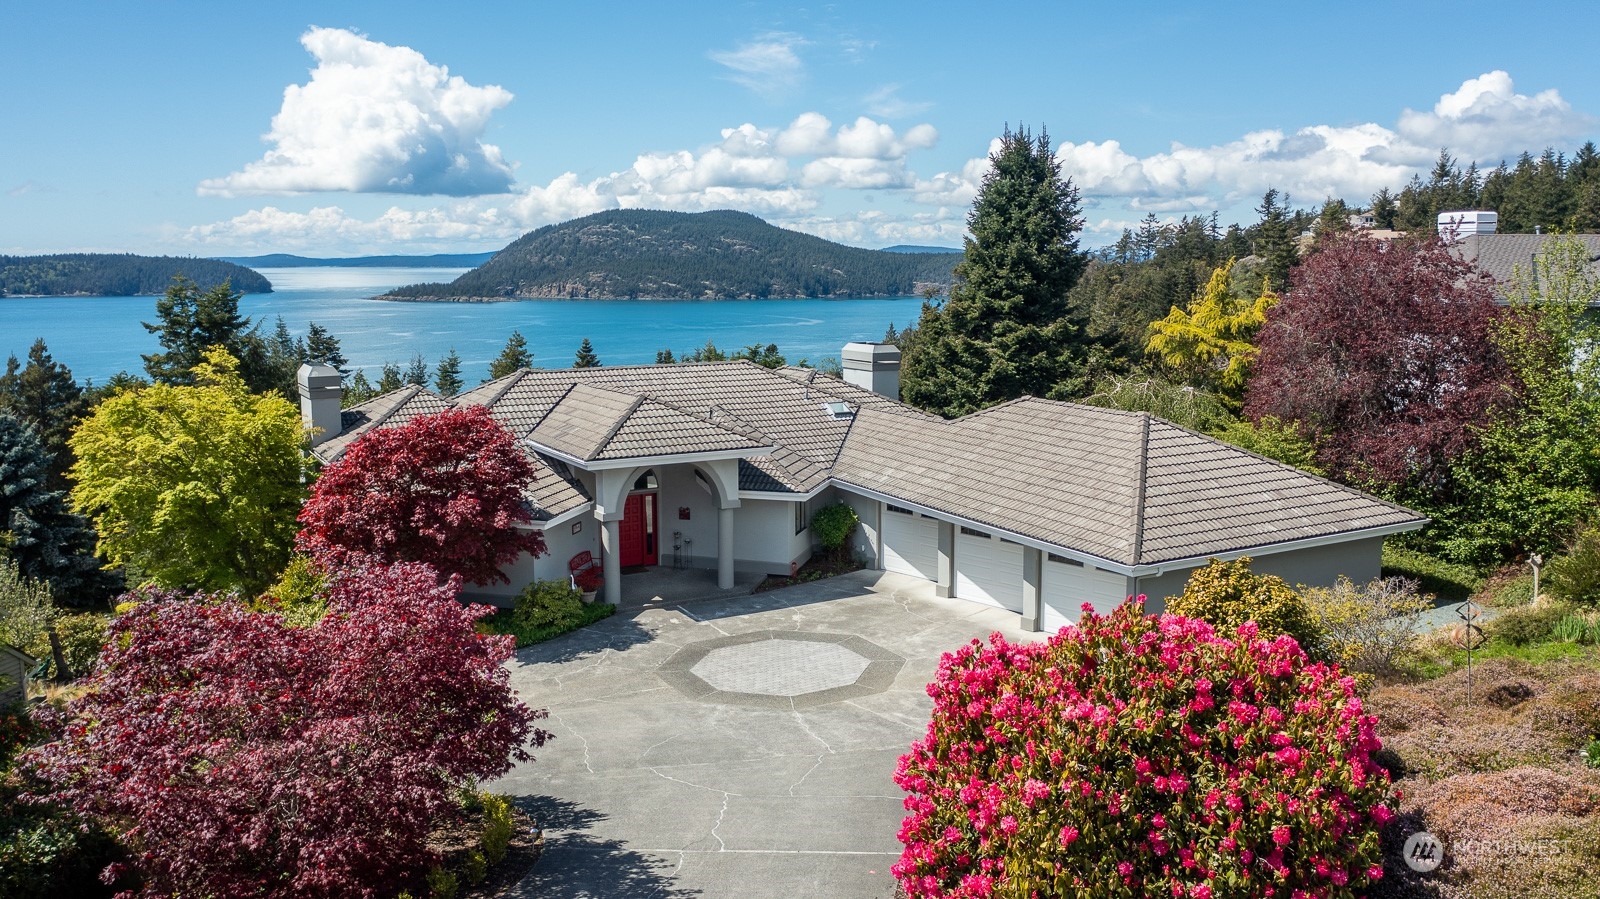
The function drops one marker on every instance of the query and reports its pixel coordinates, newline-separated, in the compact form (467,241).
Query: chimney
(320,393)
(1454,226)
(874,367)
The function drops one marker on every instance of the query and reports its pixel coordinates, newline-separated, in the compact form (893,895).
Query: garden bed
(814,570)
(526,845)
(504,622)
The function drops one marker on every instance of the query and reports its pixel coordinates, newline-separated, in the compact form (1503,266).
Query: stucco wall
(764,539)
(561,545)
(1359,560)
(864,542)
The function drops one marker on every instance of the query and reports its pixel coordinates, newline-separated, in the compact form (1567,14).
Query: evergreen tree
(44,395)
(358,391)
(417,371)
(891,335)
(188,321)
(707,353)
(323,348)
(47,542)
(1274,241)
(1006,328)
(447,379)
(586,357)
(278,357)
(514,357)
(664,357)
(390,380)
(764,356)
(1383,209)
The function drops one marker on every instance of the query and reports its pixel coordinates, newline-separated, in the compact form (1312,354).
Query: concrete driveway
(736,747)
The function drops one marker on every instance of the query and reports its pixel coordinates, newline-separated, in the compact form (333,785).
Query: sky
(335,129)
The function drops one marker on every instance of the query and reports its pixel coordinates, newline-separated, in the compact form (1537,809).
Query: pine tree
(1383,209)
(586,357)
(390,380)
(358,390)
(664,357)
(188,321)
(1006,328)
(447,379)
(514,357)
(417,371)
(1274,241)
(44,395)
(322,347)
(47,542)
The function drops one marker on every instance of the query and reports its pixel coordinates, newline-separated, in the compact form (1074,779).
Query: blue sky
(337,129)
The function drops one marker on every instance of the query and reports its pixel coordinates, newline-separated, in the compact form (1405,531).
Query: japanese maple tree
(1385,350)
(445,489)
(236,755)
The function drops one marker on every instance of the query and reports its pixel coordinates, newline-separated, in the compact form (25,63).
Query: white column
(946,585)
(610,539)
(725,549)
(1032,598)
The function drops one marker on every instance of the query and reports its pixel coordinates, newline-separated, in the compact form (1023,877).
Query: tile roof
(1500,255)
(1120,486)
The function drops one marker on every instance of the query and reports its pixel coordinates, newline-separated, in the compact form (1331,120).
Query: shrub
(497,827)
(548,604)
(1575,577)
(1583,629)
(1526,624)
(26,610)
(1445,580)
(1366,628)
(1227,594)
(299,594)
(82,636)
(1135,755)
(833,525)
(443,884)
(1591,753)
(290,761)
(475,868)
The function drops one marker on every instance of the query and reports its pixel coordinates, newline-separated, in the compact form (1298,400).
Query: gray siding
(1320,566)
(13,672)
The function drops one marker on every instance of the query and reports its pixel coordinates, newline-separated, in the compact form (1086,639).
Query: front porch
(662,586)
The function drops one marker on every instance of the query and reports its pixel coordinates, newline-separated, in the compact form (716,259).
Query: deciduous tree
(1007,329)
(444,489)
(193,486)
(236,755)
(1383,350)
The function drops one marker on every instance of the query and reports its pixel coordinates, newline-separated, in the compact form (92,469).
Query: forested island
(637,253)
(118,275)
(289,260)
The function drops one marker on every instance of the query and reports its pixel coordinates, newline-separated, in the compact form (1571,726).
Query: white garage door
(988,569)
(1068,585)
(910,543)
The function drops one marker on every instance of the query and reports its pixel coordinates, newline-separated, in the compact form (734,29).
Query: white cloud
(887,102)
(376,119)
(1487,119)
(326,229)
(767,65)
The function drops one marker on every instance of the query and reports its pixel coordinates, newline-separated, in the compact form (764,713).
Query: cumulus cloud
(1486,119)
(767,65)
(376,119)
(325,227)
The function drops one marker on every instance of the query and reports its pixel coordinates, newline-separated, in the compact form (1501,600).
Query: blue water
(99,336)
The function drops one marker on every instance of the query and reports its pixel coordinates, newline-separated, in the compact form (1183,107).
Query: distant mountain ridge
(118,275)
(289,260)
(913,248)
(638,253)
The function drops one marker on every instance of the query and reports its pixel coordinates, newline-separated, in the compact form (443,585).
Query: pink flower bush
(1142,755)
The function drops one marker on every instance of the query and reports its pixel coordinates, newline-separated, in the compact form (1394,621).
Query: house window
(1065,561)
(801,519)
(647,481)
(899,510)
(972,533)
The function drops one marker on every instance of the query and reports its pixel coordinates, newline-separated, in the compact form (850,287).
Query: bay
(99,336)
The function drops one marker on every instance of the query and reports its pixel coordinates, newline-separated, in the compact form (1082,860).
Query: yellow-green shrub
(1227,594)
(497,827)
(1366,628)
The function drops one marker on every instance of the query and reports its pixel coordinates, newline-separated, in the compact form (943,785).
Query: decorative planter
(588,595)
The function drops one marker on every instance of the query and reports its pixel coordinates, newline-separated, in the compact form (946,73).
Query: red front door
(637,534)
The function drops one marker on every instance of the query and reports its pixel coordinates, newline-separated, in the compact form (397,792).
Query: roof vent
(839,409)
(1454,226)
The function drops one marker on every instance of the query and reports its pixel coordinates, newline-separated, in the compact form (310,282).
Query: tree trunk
(63,673)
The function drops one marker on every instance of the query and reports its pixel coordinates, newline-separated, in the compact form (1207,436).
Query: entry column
(610,540)
(725,548)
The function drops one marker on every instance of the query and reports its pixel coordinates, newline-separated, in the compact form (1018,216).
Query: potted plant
(589,581)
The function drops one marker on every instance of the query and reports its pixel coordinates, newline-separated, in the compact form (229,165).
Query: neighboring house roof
(1500,255)
(1123,487)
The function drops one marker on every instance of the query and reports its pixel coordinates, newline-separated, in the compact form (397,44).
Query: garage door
(910,543)
(988,569)
(1067,585)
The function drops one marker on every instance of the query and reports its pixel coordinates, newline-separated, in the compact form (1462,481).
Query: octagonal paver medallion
(781,669)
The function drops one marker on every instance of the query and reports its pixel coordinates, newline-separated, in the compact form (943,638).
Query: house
(1034,506)
(1473,237)
(14,667)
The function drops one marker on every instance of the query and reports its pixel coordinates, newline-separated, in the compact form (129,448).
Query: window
(899,510)
(647,481)
(972,533)
(1065,561)
(801,519)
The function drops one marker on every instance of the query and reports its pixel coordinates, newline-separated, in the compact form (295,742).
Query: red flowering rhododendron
(238,756)
(1142,756)
(445,489)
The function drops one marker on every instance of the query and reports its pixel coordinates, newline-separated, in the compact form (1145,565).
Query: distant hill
(287,260)
(118,275)
(912,248)
(637,253)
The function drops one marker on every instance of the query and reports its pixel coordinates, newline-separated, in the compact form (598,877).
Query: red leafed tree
(445,489)
(1385,350)
(237,756)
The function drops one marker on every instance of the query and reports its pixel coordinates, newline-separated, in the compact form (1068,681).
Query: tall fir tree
(665,357)
(447,378)
(586,357)
(1384,209)
(188,320)
(515,356)
(417,372)
(1006,329)
(44,395)
(37,530)
(1274,241)
(390,379)
(322,347)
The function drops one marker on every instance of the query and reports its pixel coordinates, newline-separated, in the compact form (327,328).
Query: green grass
(1445,580)
(502,622)
(1432,665)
